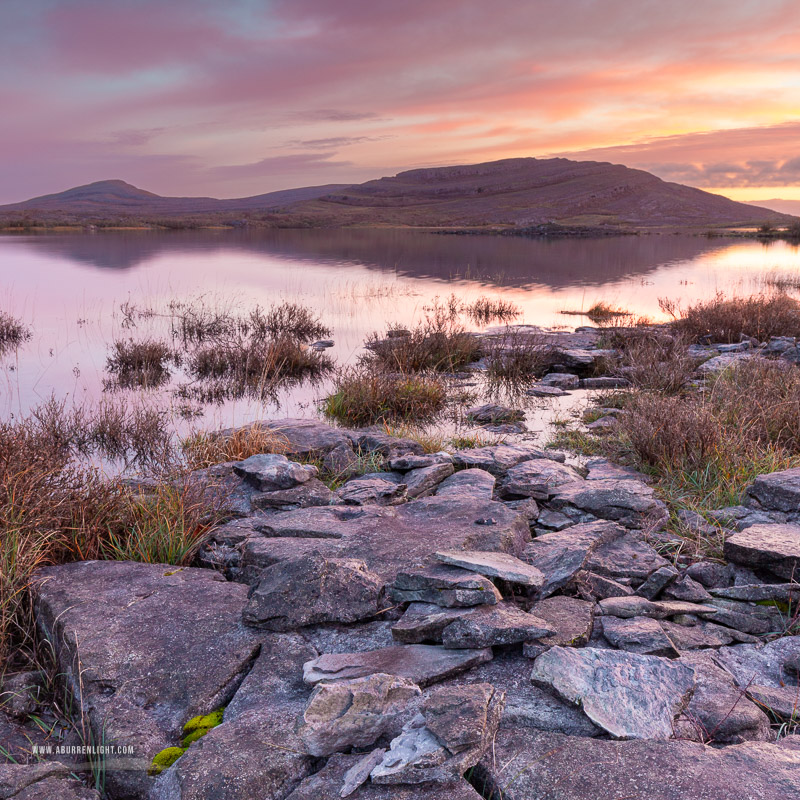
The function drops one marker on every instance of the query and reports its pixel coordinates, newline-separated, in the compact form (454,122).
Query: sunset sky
(234,98)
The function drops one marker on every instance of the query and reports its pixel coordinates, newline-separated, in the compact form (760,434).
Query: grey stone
(699,635)
(305,437)
(600,587)
(687,589)
(382,488)
(475,483)
(525,764)
(409,461)
(376,441)
(604,424)
(766,673)
(342,461)
(571,619)
(499,458)
(605,382)
(549,520)
(538,478)
(777,491)
(542,390)
(753,593)
(638,635)
(562,380)
(254,752)
(311,493)
(144,647)
(721,362)
(561,555)
(625,556)
(353,713)
(494,565)
(421,663)
(488,626)
(43,781)
(341,638)
(493,412)
(313,589)
(358,774)
(656,581)
(629,502)
(718,711)
(331,782)
(424,623)
(630,696)
(269,471)
(423,481)
(772,547)
(463,721)
(21,693)
(747,617)
(445,586)
(709,574)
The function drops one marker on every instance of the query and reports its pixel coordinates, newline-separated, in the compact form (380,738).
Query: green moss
(166,758)
(208,721)
(782,605)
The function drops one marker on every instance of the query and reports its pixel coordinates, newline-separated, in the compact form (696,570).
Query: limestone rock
(477,483)
(571,619)
(445,586)
(313,589)
(421,482)
(269,471)
(638,635)
(525,764)
(629,695)
(494,565)
(353,713)
(423,664)
(538,478)
(42,781)
(382,488)
(772,547)
(490,413)
(625,557)
(499,458)
(777,491)
(629,502)
(488,626)
(424,623)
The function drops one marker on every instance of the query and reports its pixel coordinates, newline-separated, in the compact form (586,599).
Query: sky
(236,98)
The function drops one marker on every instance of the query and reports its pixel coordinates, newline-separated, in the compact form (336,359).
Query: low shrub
(13,332)
(142,364)
(515,359)
(361,397)
(725,319)
(656,361)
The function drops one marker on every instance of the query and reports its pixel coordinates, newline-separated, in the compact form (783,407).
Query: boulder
(561,380)
(542,390)
(571,619)
(354,713)
(382,488)
(422,482)
(268,472)
(306,437)
(424,623)
(476,483)
(43,781)
(311,493)
(772,547)
(626,556)
(631,696)
(631,503)
(144,648)
(423,664)
(656,581)
(538,478)
(490,413)
(313,589)
(526,764)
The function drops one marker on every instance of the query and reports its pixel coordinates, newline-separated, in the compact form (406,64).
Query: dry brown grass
(139,364)
(726,319)
(515,359)
(654,360)
(487,309)
(361,397)
(207,449)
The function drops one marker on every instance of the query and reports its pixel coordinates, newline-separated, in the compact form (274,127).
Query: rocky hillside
(519,192)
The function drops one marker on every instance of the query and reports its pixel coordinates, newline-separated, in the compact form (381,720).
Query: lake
(70,288)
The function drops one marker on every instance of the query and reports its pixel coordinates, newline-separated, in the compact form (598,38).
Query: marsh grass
(204,449)
(485,310)
(654,360)
(13,332)
(362,397)
(514,360)
(140,364)
(726,319)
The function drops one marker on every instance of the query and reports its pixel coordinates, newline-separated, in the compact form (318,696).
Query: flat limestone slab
(526,764)
(494,565)
(772,547)
(422,663)
(631,696)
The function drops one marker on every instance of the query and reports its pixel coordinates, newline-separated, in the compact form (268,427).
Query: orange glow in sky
(194,97)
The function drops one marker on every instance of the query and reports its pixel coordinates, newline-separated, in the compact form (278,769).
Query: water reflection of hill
(508,261)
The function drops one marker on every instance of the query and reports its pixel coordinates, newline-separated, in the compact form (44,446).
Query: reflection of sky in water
(69,288)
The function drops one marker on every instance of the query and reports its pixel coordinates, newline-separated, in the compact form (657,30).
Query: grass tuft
(13,332)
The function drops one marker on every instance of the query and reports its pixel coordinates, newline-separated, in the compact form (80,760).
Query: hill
(782,206)
(518,192)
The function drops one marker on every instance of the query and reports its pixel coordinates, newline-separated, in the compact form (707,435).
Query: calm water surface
(69,288)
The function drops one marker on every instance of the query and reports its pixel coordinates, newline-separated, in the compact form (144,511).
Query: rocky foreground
(488,623)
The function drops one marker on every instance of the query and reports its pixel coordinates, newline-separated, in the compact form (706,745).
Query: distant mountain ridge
(783,206)
(520,192)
